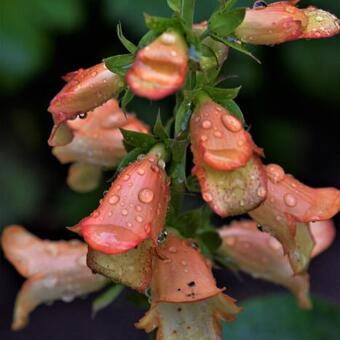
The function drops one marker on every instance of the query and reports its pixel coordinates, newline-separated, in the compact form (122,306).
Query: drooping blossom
(132,210)
(97,144)
(132,269)
(160,68)
(261,255)
(282,21)
(55,270)
(287,210)
(85,90)
(186,304)
(226,160)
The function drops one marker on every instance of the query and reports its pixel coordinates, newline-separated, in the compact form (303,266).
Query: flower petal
(133,209)
(234,192)
(323,233)
(132,269)
(159,68)
(261,255)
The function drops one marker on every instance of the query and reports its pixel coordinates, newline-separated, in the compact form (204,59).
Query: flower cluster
(139,236)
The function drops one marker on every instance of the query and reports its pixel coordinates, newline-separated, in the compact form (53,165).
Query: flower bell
(226,160)
(287,210)
(186,304)
(97,144)
(160,68)
(282,21)
(261,255)
(55,270)
(132,210)
(85,90)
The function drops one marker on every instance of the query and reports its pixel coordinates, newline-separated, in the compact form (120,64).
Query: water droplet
(147,228)
(126,177)
(162,236)
(95,214)
(206,124)
(114,199)
(140,172)
(50,281)
(261,192)
(124,212)
(259,4)
(161,164)
(204,138)
(140,157)
(275,173)
(186,270)
(67,298)
(319,18)
(173,53)
(139,219)
(138,208)
(168,38)
(231,123)
(110,213)
(218,134)
(242,204)
(172,250)
(184,263)
(290,200)
(82,115)
(207,197)
(146,195)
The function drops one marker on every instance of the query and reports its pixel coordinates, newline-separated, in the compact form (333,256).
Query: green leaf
(229,4)
(224,22)
(106,298)
(175,5)
(126,99)
(182,116)
(119,64)
(278,317)
(147,38)
(161,24)
(178,164)
(211,240)
(187,12)
(136,139)
(131,47)
(129,157)
(193,184)
(233,108)
(235,44)
(217,93)
(159,130)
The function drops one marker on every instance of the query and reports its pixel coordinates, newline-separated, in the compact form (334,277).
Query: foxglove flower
(97,144)
(55,270)
(282,21)
(133,209)
(261,255)
(160,68)
(186,304)
(85,90)
(288,209)
(132,269)
(226,160)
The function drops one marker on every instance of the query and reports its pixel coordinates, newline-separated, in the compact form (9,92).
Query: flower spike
(160,68)
(186,304)
(55,270)
(133,209)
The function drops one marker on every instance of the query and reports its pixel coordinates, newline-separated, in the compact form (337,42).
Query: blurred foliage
(278,317)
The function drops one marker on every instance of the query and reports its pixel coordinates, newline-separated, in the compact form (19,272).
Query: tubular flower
(97,144)
(132,269)
(283,21)
(133,209)
(186,304)
(85,90)
(54,270)
(160,68)
(288,209)
(226,163)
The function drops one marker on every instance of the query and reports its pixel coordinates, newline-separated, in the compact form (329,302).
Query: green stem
(159,151)
(187,12)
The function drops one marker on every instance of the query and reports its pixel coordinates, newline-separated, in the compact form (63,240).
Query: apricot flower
(160,68)
(282,21)
(97,144)
(226,163)
(288,209)
(133,209)
(54,270)
(186,304)
(85,90)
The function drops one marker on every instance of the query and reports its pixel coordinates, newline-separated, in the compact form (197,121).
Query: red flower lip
(160,68)
(133,209)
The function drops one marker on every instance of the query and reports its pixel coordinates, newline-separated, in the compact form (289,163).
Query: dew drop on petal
(172,250)
(275,173)
(147,228)
(124,212)
(140,172)
(206,124)
(114,199)
(146,195)
(290,200)
(139,219)
(231,123)
(261,192)
(126,177)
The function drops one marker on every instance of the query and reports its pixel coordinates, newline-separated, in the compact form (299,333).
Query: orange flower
(55,270)
(287,209)
(133,209)
(323,233)
(85,90)
(160,68)
(229,172)
(186,303)
(282,21)
(97,144)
